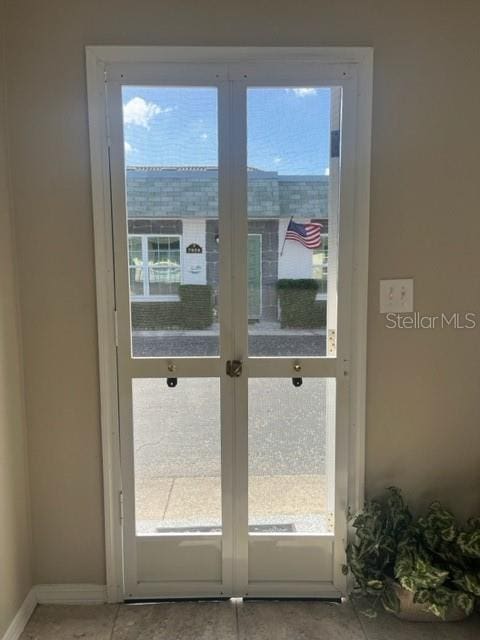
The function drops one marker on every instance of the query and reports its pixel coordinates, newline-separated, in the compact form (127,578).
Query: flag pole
(285,238)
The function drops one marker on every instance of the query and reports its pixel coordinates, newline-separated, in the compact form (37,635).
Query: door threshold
(166,599)
(236,599)
(326,599)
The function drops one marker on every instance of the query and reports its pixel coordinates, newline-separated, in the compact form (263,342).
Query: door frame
(98,59)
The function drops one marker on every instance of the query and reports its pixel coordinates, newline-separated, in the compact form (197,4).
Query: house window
(320,266)
(154,265)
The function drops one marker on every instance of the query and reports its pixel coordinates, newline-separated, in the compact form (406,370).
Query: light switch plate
(396,296)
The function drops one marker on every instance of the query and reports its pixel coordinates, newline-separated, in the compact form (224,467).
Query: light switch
(396,296)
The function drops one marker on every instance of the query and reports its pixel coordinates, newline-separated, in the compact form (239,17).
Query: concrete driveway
(177,454)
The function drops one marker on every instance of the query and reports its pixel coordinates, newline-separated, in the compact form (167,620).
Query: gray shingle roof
(192,191)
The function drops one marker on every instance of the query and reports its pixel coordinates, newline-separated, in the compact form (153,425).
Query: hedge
(298,307)
(196,301)
(194,310)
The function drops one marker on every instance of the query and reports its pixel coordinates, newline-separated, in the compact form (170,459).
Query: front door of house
(233,435)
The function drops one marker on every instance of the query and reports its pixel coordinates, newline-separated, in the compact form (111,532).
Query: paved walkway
(296,501)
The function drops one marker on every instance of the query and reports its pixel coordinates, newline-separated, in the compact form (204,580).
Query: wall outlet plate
(396,296)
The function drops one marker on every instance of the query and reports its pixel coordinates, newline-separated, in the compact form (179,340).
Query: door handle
(234,368)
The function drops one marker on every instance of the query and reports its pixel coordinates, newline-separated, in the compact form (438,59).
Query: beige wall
(423,387)
(15,529)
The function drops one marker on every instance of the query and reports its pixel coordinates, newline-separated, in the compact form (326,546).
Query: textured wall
(423,410)
(15,529)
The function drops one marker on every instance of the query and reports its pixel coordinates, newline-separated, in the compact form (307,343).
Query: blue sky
(288,129)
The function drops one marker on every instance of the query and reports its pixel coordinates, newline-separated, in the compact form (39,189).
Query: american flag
(306,234)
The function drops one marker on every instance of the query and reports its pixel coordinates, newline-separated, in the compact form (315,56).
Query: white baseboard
(53,594)
(22,616)
(71,593)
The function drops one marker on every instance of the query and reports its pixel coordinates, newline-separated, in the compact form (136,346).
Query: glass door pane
(289,432)
(164,154)
(293,181)
(171,160)
(176,435)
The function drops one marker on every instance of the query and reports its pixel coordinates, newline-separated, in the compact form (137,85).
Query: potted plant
(424,568)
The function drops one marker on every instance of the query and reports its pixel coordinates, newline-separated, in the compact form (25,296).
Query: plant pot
(414,612)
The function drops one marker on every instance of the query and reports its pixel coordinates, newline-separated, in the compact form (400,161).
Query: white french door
(233,433)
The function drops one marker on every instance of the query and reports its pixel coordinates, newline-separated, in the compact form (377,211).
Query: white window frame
(147,297)
(98,61)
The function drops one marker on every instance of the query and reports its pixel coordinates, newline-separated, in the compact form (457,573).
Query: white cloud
(301,92)
(327,171)
(128,147)
(140,112)
(277,160)
(204,136)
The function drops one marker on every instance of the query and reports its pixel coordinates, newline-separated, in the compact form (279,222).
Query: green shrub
(298,307)
(194,310)
(155,315)
(319,314)
(196,302)
(302,284)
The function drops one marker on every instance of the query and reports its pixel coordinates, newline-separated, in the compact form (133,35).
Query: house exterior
(174,238)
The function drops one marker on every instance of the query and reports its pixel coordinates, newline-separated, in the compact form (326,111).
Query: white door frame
(360,64)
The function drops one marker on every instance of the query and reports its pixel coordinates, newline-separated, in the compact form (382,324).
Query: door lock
(234,368)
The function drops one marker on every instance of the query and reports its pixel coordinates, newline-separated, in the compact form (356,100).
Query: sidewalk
(265,339)
(254,329)
(182,502)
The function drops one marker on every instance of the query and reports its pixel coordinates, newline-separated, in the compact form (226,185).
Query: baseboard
(71,593)
(22,616)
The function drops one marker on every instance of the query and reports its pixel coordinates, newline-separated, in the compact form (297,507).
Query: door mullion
(226,335)
(239,285)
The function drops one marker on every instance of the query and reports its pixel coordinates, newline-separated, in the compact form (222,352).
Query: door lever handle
(234,368)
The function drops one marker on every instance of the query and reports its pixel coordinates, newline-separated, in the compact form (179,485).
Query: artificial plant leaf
(436,601)
(422,596)
(375,584)
(390,600)
(443,520)
(473,523)
(438,610)
(423,575)
(403,564)
(431,537)
(408,583)
(465,601)
(443,595)
(469,582)
(469,543)
(449,532)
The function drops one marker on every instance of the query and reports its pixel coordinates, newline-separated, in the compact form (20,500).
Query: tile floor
(233,621)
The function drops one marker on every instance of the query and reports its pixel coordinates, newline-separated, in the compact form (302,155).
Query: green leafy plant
(432,556)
